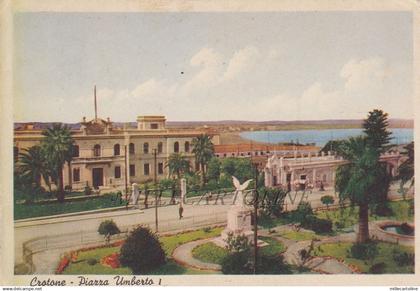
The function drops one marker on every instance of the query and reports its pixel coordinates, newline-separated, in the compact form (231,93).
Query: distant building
(314,168)
(260,150)
(103,154)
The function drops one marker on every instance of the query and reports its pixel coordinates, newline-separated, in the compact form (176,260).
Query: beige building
(104,153)
(315,168)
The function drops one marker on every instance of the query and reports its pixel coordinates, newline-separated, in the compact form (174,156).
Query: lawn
(169,243)
(300,235)
(22,211)
(385,255)
(274,247)
(210,253)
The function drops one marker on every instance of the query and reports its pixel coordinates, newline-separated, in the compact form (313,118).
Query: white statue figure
(135,193)
(239,188)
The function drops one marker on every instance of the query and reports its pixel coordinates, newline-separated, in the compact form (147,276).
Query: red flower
(112,261)
(62,265)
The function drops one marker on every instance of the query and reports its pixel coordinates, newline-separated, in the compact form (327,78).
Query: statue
(239,188)
(135,193)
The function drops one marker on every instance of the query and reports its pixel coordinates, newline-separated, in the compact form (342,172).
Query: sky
(212,66)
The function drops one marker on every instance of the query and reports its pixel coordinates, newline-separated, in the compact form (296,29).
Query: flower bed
(112,261)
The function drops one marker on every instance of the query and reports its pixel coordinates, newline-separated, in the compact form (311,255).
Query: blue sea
(321,136)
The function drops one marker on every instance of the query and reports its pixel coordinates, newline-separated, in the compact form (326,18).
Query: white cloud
(209,93)
(361,74)
(242,61)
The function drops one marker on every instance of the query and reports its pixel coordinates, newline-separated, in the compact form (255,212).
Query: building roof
(246,147)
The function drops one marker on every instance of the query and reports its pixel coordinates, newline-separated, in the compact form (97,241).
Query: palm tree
(178,164)
(363,180)
(203,150)
(57,146)
(32,165)
(406,169)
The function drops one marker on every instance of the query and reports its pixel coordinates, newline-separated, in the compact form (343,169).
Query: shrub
(142,252)
(403,258)
(364,251)
(327,200)
(238,243)
(207,229)
(92,261)
(378,268)
(236,263)
(108,228)
(87,190)
(272,265)
(382,209)
(303,210)
(319,225)
(167,183)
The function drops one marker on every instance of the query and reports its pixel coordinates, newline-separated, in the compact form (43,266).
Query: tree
(108,228)
(142,251)
(203,150)
(327,200)
(378,137)
(57,146)
(32,165)
(214,169)
(406,169)
(178,164)
(332,145)
(376,128)
(363,180)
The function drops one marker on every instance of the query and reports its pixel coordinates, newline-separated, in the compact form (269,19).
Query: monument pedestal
(239,223)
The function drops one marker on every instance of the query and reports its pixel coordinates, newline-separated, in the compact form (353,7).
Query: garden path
(323,265)
(183,256)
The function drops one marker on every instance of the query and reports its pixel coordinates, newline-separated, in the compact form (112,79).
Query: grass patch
(210,253)
(274,247)
(22,211)
(385,255)
(169,243)
(300,235)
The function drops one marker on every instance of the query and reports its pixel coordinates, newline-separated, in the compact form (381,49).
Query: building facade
(314,169)
(104,155)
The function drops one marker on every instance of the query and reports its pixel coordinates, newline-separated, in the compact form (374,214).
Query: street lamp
(156,191)
(255,165)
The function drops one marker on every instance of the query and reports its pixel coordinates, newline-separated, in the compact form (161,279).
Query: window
(160,168)
(132,170)
(146,169)
(75,151)
(187,146)
(176,147)
(97,150)
(76,175)
(117,149)
(160,148)
(154,126)
(15,153)
(117,172)
(131,149)
(146,148)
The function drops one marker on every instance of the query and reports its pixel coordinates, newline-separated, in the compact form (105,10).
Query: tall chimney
(96,109)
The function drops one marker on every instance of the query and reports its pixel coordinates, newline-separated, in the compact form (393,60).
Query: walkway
(319,264)
(183,256)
